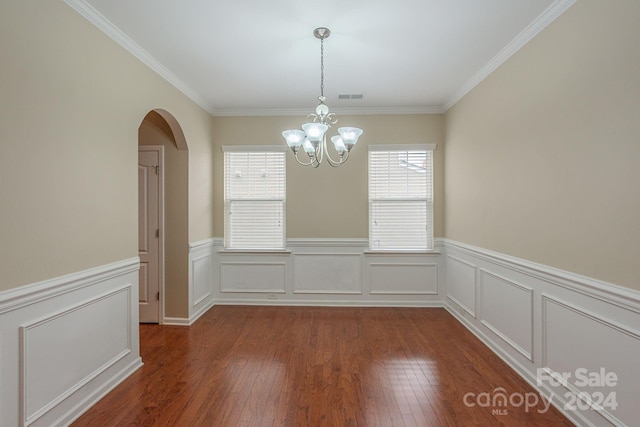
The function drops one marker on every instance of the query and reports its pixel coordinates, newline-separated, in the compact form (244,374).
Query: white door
(150,232)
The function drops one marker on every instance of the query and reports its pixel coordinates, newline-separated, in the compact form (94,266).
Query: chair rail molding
(545,323)
(96,311)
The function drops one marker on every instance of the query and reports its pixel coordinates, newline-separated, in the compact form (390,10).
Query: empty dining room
(412,213)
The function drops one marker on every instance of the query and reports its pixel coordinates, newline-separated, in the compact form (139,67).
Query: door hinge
(158,232)
(157,169)
(158,296)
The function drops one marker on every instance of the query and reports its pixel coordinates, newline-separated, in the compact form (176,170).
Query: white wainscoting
(327,273)
(540,320)
(543,321)
(461,283)
(66,342)
(201,281)
(334,272)
(513,321)
(253,277)
(405,277)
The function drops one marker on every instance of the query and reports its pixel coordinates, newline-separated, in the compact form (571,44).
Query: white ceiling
(253,57)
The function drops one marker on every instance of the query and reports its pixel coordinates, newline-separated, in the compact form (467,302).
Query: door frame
(161,261)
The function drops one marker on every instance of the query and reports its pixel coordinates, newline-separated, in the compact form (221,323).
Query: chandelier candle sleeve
(312,138)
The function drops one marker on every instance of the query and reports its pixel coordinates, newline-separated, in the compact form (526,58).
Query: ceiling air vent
(350,96)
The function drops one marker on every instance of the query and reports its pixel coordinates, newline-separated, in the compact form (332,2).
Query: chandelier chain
(322,67)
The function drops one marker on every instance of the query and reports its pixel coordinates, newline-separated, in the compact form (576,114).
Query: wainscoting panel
(577,339)
(96,335)
(201,271)
(461,283)
(265,277)
(327,273)
(546,323)
(65,342)
(403,279)
(507,310)
(201,282)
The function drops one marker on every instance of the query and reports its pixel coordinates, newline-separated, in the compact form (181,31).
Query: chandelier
(312,138)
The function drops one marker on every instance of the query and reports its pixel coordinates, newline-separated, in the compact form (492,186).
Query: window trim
(404,147)
(429,200)
(255,149)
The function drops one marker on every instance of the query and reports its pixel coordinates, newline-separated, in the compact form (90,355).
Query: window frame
(428,148)
(256,149)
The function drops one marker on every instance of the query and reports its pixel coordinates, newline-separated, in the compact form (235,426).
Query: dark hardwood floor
(311,366)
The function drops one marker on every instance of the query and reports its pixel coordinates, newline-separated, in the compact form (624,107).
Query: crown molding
(430,109)
(549,15)
(96,18)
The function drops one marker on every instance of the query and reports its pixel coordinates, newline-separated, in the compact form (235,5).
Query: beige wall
(72,101)
(330,202)
(154,130)
(542,157)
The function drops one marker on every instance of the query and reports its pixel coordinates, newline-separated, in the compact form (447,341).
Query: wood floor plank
(311,366)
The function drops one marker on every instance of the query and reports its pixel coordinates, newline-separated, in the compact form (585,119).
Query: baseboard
(329,303)
(96,311)
(176,321)
(574,417)
(202,309)
(95,397)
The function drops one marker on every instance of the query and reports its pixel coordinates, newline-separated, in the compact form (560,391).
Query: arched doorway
(160,131)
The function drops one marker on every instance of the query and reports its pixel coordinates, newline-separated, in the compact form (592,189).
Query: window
(254,197)
(401,197)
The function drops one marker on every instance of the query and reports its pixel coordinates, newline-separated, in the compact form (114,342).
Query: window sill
(255,251)
(401,252)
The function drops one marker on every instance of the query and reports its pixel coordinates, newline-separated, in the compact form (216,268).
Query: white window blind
(401,197)
(254,198)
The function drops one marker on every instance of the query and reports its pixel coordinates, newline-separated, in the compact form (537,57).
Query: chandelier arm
(315,162)
(341,160)
(322,147)
(309,163)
